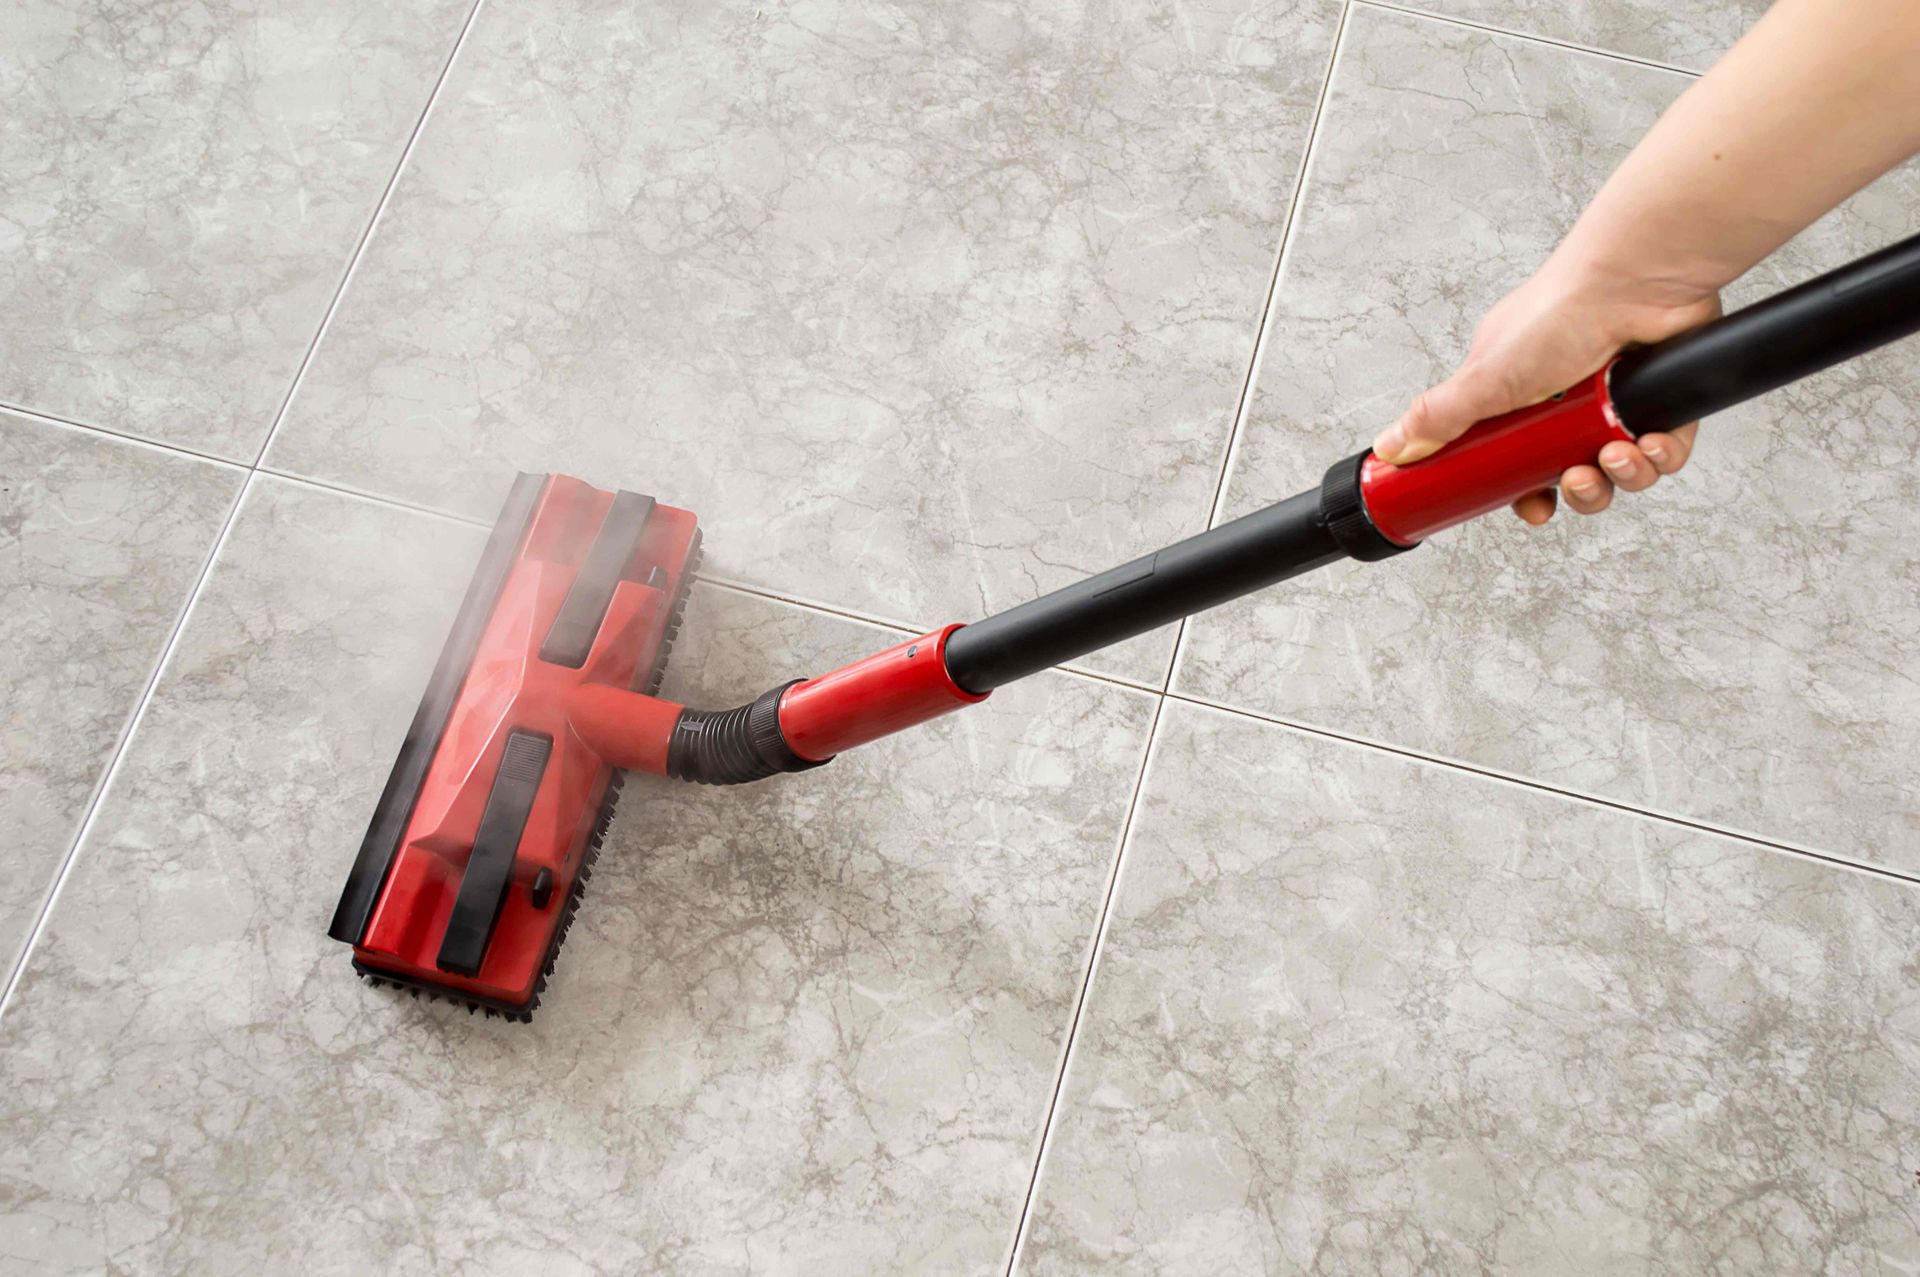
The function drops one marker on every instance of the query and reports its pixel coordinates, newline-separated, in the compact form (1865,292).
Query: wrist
(1635,266)
(1627,296)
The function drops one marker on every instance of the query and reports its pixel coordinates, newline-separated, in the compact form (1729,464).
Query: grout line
(1760,841)
(1244,406)
(1111,680)
(767,592)
(373,498)
(95,800)
(1281,252)
(1086,986)
(88,428)
(1569,45)
(253,472)
(906,629)
(366,236)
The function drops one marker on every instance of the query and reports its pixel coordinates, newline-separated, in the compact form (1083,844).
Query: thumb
(1442,413)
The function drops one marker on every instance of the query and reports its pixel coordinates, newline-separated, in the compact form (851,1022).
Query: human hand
(1559,327)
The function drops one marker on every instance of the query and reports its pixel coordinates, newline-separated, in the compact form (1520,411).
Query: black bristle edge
(659,672)
(377,977)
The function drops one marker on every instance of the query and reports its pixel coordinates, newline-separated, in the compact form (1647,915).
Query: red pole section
(876,697)
(1495,463)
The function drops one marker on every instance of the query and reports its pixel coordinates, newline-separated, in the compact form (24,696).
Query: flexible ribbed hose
(734,746)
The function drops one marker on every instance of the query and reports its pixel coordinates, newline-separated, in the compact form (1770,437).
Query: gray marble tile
(1356,1013)
(185,182)
(924,308)
(807,1026)
(1687,33)
(1737,645)
(100,542)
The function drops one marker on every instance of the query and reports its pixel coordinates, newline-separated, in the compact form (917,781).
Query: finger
(1627,466)
(1669,452)
(1665,452)
(1441,414)
(1536,507)
(1586,490)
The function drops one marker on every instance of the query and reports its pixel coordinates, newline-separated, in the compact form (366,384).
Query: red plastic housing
(875,697)
(626,729)
(1493,464)
(508,686)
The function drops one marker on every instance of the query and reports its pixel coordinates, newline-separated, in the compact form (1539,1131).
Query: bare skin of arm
(1817,100)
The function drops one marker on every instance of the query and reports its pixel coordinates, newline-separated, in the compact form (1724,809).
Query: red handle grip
(1494,464)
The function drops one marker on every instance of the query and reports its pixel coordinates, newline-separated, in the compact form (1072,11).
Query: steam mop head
(485,835)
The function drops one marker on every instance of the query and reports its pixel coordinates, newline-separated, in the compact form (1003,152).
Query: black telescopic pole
(1222,563)
(1846,312)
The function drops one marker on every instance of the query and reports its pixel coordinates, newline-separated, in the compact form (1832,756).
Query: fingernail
(1617,465)
(1585,488)
(1654,451)
(1388,445)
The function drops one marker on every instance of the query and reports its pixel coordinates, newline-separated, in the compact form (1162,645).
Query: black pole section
(1794,334)
(1233,559)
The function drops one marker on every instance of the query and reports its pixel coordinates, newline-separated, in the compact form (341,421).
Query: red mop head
(483,838)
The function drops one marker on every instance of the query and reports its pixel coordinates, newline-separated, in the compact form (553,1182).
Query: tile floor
(1532,903)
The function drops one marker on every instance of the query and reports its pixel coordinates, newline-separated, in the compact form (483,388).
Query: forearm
(1818,99)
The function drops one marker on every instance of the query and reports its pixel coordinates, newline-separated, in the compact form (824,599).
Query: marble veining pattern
(925,307)
(810,1026)
(100,540)
(1361,1014)
(1735,646)
(181,186)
